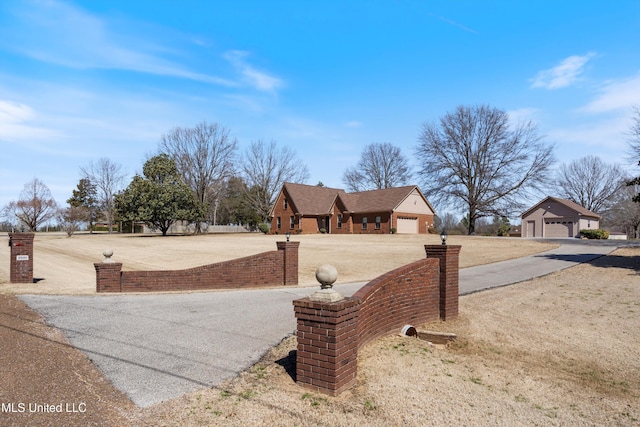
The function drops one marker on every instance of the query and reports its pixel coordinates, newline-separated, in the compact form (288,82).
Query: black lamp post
(288,235)
(443,237)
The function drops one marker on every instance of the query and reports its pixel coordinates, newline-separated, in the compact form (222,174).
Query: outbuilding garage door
(559,227)
(408,225)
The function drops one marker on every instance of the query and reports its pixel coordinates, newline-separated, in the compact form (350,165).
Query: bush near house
(595,234)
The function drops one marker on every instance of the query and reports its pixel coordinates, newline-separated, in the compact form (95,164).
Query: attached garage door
(407,225)
(560,227)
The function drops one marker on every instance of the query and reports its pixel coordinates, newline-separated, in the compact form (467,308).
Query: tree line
(473,158)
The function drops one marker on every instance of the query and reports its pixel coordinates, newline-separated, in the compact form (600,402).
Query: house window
(286,205)
(292,221)
(279,223)
(378,221)
(339,220)
(364,223)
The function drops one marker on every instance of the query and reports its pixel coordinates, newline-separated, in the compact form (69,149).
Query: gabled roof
(314,200)
(311,199)
(385,200)
(568,203)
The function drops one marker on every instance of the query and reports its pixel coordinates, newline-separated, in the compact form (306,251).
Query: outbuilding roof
(568,203)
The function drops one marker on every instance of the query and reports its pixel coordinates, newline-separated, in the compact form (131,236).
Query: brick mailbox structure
(329,334)
(267,269)
(21,269)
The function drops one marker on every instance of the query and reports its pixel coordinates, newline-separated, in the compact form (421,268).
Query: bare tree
(108,179)
(35,206)
(634,145)
(634,137)
(589,182)
(448,222)
(381,165)
(71,218)
(476,158)
(266,168)
(623,213)
(205,156)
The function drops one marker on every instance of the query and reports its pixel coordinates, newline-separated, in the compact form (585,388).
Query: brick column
(108,277)
(290,261)
(21,269)
(449,274)
(327,357)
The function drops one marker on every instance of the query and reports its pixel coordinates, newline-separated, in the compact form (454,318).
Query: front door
(324,224)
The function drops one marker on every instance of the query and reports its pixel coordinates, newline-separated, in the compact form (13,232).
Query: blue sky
(80,80)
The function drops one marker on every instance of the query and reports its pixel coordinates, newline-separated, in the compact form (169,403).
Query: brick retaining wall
(406,295)
(274,268)
(329,334)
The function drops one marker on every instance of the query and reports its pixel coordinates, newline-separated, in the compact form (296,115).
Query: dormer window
(286,205)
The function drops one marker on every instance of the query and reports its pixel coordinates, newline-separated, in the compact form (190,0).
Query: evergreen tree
(85,197)
(160,198)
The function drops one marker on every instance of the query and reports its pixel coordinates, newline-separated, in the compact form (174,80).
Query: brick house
(307,209)
(556,217)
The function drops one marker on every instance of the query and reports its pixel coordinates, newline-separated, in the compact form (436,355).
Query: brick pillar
(327,357)
(290,260)
(449,274)
(21,269)
(108,276)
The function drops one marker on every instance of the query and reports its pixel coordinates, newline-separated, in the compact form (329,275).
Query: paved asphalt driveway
(159,346)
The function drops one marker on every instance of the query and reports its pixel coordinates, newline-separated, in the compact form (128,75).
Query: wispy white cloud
(353,124)
(17,124)
(260,80)
(616,95)
(62,34)
(562,75)
(46,118)
(523,115)
(454,23)
(607,134)
(13,112)
(247,103)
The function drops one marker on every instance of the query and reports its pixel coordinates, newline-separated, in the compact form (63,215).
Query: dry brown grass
(66,264)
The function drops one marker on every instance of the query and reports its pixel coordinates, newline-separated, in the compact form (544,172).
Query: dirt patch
(45,381)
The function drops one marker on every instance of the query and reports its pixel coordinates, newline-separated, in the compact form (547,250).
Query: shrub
(595,234)
(393,230)
(503,230)
(323,230)
(263,227)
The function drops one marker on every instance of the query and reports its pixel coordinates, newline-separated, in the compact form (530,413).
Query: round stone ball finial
(108,253)
(327,275)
